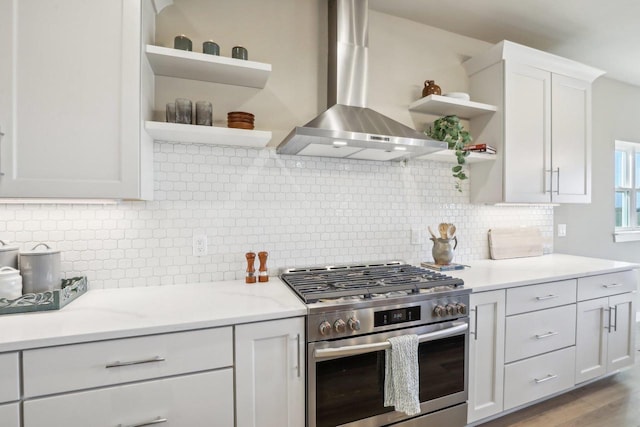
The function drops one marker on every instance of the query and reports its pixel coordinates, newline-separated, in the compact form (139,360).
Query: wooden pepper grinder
(263,275)
(251,269)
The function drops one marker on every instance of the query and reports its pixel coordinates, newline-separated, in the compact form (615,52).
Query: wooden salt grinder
(251,269)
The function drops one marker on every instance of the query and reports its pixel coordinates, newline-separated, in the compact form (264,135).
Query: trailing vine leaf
(450,130)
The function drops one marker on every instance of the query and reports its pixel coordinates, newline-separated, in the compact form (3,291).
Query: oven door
(346,377)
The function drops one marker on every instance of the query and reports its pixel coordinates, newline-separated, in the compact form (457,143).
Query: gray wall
(616,115)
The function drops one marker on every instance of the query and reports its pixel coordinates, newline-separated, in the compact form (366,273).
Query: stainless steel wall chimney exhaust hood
(348,129)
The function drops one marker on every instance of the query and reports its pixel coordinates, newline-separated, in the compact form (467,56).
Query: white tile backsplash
(302,210)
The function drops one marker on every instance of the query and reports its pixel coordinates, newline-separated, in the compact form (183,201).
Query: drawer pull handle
(118,364)
(298,354)
(550,296)
(612,285)
(547,378)
(547,335)
(158,420)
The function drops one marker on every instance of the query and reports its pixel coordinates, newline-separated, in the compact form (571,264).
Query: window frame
(629,232)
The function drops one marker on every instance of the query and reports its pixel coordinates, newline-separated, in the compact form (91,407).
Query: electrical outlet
(562,230)
(200,245)
(417,236)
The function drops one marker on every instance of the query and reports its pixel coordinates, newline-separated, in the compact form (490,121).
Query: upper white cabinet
(542,131)
(70,105)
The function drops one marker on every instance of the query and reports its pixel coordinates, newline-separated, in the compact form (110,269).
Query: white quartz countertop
(117,313)
(485,275)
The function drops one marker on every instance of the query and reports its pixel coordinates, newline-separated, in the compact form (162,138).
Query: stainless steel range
(352,311)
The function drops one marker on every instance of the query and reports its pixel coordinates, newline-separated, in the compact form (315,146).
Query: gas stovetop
(367,282)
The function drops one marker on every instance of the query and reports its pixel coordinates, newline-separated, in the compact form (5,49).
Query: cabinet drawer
(539,332)
(79,366)
(190,400)
(538,297)
(607,284)
(10,415)
(9,377)
(540,376)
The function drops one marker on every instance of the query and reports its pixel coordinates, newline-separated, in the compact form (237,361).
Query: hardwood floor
(610,402)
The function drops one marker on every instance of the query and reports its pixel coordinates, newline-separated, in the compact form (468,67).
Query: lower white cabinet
(196,400)
(9,377)
(486,354)
(605,336)
(10,415)
(103,363)
(270,374)
(538,377)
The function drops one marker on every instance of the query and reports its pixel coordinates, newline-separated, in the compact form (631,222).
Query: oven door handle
(352,350)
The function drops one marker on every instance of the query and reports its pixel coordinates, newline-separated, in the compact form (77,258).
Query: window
(627,191)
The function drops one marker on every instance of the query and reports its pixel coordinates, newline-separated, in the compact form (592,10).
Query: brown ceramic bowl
(240,119)
(240,125)
(238,114)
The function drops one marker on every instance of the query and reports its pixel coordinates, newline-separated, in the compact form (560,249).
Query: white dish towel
(402,381)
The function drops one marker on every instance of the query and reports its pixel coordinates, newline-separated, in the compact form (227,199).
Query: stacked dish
(240,120)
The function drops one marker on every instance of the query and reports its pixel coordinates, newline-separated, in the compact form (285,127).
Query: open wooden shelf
(447,106)
(175,132)
(449,156)
(207,68)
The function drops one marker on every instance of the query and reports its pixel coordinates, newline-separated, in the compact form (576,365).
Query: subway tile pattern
(302,210)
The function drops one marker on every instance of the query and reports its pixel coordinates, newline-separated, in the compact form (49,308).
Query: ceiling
(600,33)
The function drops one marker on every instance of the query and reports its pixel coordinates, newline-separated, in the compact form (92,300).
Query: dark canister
(182,42)
(210,48)
(239,52)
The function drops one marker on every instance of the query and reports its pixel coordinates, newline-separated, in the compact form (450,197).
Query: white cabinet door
(9,377)
(621,346)
(10,415)
(199,400)
(605,338)
(486,354)
(527,148)
(70,98)
(591,339)
(571,140)
(270,374)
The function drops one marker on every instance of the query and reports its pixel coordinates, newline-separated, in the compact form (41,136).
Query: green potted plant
(450,130)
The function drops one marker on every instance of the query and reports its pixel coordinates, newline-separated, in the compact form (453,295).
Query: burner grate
(316,284)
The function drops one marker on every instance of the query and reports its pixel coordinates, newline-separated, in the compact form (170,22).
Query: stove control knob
(462,308)
(340,326)
(451,309)
(325,328)
(439,311)
(354,324)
